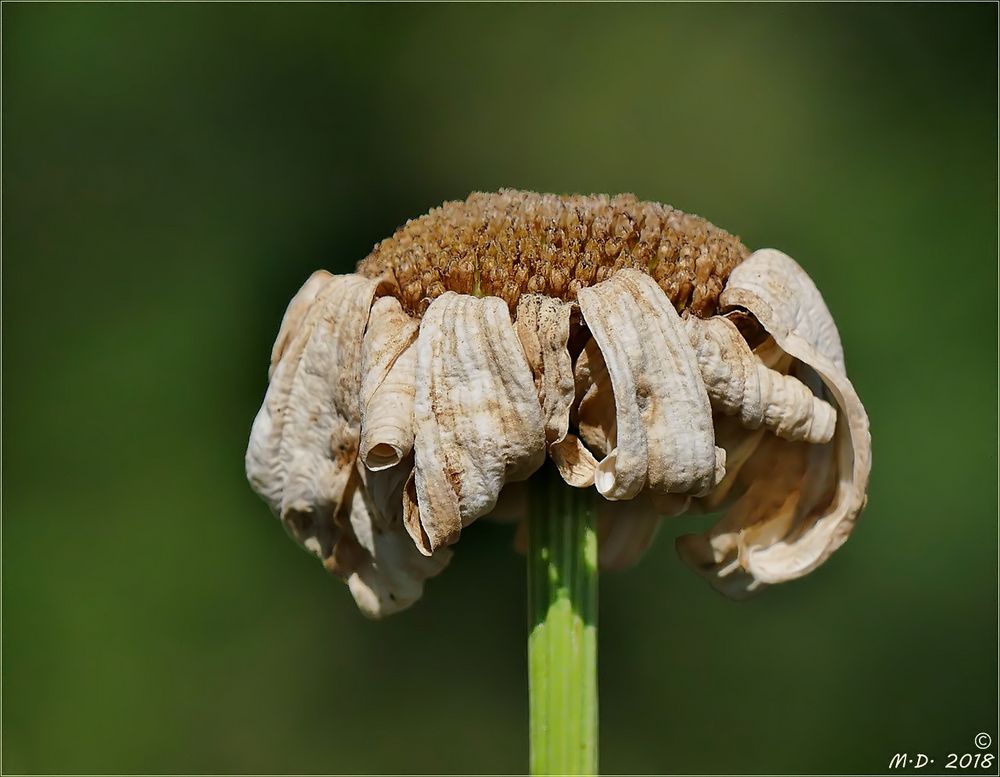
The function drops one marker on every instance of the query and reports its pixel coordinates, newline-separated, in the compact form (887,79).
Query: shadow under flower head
(644,351)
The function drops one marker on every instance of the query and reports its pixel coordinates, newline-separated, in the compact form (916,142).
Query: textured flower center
(511,243)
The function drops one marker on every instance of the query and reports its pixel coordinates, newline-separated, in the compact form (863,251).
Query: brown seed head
(511,242)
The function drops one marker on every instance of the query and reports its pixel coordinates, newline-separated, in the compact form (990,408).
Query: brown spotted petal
(476,414)
(818,509)
(543,325)
(388,367)
(739,384)
(304,442)
(663,433)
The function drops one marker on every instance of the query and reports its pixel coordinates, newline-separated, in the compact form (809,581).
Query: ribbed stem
(562,642)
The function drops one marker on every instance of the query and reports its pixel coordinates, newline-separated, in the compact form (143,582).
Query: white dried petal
(820,506)
(767,510)
(295,314)
(264,466)
(663,435)
(783,298)
(304,444)
(388,367)
(739,384)
(389,576)
(476,414)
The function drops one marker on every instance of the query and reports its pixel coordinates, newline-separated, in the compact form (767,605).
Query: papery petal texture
(644,351)
(740,384)
(477,417)
(597,415)
(822,488)
(388,369)
(544,326)
(303,446)
(320,439)
(264,466)
(389,576)
(663,433)
(739,444)
(295,314)
(768,508)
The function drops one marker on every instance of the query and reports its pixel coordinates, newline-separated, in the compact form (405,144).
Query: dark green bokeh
(172,173)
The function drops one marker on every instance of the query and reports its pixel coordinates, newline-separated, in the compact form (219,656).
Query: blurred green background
(171,173)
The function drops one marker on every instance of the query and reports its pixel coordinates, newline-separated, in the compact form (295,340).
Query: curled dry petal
(543,325)
(577,465)
(295,314)
(476,414)
(388,367)
(739,444)
(769,506)
(597,417)
(663,433)
(739,384)
(388,575)
(767,542)
(385,489)
(303,444)
(265,469)
(771,356)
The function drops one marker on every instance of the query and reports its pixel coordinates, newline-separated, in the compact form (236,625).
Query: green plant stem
(562,641)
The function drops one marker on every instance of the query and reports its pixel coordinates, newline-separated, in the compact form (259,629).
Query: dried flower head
(646,352)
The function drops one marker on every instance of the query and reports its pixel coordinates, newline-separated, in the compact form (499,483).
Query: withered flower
(644,351)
